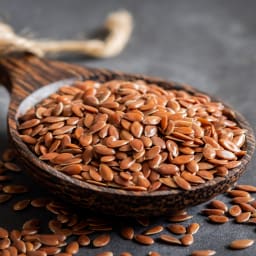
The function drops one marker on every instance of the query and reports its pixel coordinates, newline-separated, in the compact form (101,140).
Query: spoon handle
(25,73)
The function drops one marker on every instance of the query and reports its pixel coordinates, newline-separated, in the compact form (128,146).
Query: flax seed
(154,230)
(108,253)
(72,247)
(170,239)
(241,244)
(193,228)
(219,205)
(21,205)
(145,240)
(219,219)
(187,240)
(180,218)
(177,229)
(101,240)
(243,217)
(235,210)
(203,253)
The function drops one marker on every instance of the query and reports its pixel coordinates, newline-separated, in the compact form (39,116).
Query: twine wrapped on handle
(118,24)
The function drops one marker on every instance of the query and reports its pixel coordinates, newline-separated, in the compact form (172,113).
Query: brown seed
(229,145)
(203,253)
(31,224)
(219,205)
(243,199)
(192,178)
(154,230)
(153,152)
(182,183)
(40,202)
(235,210)
(29,124)
(136,129)
(193,228)
(15,189)
(145,240)
(248,188)
(108,253)
(170,239)
(21,205)
(4,243)
(225,154)
(137,145)
(72,247)
(103,150)
(177,229)
(49,240)
(83,240)
(127,233)
(192,166)
(243,217)
(209,152)
(50,250)
(187,240)
(247,208)
(233,164)
(238,193)
(167,169)
(101,240)
(219,219)
(180,218)
(106,172)
(183,159)
(3,233)
(12,167)
(241,244)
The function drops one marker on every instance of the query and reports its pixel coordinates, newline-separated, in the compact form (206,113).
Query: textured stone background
(209,44)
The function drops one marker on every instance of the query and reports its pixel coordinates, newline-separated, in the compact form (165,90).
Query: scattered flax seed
(15,189)
(203,253)
(154,230)
(241,244)
(142,239)
(235,210)
(107,253)
(4,198)
(187,240)
(218,219)
(127,233)
(180,218)
(169,239)
(21,205)
(101,240)
(243,217)
(193,228)
(219,205)
(72,247)
(177,229)
(248,188)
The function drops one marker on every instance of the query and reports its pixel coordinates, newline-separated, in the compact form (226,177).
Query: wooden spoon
(30,79)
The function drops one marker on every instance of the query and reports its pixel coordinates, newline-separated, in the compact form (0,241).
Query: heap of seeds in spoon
(134,135)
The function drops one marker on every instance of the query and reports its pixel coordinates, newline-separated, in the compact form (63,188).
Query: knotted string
(118,24)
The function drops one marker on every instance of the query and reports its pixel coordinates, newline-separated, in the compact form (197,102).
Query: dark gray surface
(210,44)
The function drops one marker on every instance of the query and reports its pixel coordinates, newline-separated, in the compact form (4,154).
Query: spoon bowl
(30,79)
